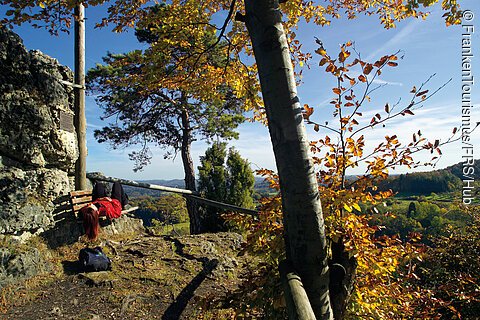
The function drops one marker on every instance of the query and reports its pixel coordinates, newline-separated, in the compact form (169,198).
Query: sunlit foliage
(381,264)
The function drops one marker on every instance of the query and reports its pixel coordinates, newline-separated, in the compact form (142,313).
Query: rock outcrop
(20,265)
(38,146)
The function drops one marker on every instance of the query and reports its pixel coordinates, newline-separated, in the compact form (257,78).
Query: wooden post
(80,121)
(298,305)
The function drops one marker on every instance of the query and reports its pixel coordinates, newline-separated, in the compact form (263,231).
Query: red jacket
(112,208)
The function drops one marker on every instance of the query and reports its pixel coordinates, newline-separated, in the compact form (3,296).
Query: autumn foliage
(379,262)
(385,268)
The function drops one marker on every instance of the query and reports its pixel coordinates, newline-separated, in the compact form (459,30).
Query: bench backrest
(80,199)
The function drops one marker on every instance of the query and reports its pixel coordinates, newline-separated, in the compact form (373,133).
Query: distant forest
(421,183)
(424,183)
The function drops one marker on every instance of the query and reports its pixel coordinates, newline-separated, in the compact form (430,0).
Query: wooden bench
(82,198)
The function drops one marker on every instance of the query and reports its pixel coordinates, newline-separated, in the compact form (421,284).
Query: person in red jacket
(111,207)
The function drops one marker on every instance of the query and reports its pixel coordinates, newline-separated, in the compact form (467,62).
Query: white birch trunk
(303,219)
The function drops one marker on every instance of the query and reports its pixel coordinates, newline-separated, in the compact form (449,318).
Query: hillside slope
(442,180)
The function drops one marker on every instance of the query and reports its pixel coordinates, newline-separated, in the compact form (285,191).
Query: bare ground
(152,277)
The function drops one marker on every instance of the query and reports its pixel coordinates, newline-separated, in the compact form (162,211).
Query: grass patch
(178,229)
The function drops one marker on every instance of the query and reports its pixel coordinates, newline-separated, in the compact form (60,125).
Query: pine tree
(229,181)
(240,181)
(133,89)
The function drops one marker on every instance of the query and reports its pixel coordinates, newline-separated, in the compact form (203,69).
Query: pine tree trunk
(192,208)
(304,226)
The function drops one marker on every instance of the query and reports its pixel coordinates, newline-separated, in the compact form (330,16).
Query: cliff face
(38,146)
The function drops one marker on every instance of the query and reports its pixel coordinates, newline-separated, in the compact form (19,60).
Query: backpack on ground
(93,259)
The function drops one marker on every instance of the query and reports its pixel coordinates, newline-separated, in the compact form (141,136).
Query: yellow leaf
(321,51)
(42,5)
(347,207)
(357,207)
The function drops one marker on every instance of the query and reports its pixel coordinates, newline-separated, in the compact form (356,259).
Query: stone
(38,148)
(125,224)
(27,198)
(20,265)
(99,278)
(38,151)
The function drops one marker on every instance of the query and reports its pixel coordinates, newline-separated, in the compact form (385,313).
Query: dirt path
(151,278)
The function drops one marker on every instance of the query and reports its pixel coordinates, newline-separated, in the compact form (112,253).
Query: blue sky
(428,47)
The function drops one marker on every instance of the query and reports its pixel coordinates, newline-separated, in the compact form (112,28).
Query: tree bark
(189,171)
(303,219)
(342,278)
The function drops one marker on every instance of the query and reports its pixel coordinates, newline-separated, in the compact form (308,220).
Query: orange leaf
(342,56)
(368,68)
(421,93)
(321,51)
(387,108)
(308,111)
(380,62)
(353,63)
(362,78)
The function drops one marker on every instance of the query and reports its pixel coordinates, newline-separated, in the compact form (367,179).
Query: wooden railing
(298,305)
(186,193)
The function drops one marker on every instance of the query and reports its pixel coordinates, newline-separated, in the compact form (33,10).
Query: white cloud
(435,122)
(390,83)
(397,39)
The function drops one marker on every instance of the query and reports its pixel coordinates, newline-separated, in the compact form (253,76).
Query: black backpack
(94,260)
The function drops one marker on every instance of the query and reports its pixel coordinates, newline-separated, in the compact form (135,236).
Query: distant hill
(442,180)
(260,186)
(456,170)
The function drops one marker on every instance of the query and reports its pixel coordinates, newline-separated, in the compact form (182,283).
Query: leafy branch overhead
(56,16)
(353,75)
(137,92)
